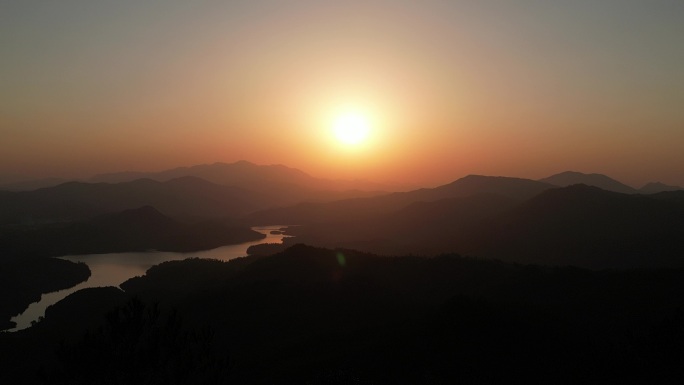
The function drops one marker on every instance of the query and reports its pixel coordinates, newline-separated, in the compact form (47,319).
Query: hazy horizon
(398,185)
(525,89)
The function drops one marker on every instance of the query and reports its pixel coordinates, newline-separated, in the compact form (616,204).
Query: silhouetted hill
(576,225)
(656,187)
(413,229)
(310,315)
(139,229)
(515,188)
(186,197)
(586,226)
(100,300)
(343,309)
(569,178)
(676,197)
(146,216)
(369,208)
(22,281)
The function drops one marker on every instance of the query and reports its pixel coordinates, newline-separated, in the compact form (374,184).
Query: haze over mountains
(242,173)
(576,225)
(569,178)
(656,187)
(217,190)
(364,208)
(261,177)
(604,182)
(185,197)
(610,224)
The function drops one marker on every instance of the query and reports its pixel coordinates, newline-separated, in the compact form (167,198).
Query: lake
(115,268)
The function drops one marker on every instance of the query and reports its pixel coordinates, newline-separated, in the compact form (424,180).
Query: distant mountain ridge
(577,225)
(516,188)
(296,186)
(657,187)
(364,208)
(604,182)
(586,226)
(186,197)
(241,172)
(203,191)
(276,185)
(247,175)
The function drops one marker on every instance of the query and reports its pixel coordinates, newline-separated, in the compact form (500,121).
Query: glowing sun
(351,129)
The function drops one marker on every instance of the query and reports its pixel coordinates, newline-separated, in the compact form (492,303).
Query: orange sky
(451,88)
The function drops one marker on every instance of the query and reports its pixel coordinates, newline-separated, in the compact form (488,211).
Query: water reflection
(115,268)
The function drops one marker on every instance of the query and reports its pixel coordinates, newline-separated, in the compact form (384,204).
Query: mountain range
(367,208)
(484,272)
(569,218)
(186,197)
(216,190)
(300,185)
(604,182)
(576,225)
(601,181)
(282,185)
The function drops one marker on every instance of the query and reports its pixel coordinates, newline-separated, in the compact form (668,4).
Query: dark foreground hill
(318,316)
(22,281)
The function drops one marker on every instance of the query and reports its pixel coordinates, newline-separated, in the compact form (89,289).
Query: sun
(351,128)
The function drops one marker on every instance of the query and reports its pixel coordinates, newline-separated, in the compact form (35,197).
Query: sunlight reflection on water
(115,268)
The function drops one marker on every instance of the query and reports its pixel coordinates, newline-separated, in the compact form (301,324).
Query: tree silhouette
(141,344)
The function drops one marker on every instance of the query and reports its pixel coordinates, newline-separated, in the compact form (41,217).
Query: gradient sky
(522,88)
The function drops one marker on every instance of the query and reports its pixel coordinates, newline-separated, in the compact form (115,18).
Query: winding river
(115,268)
